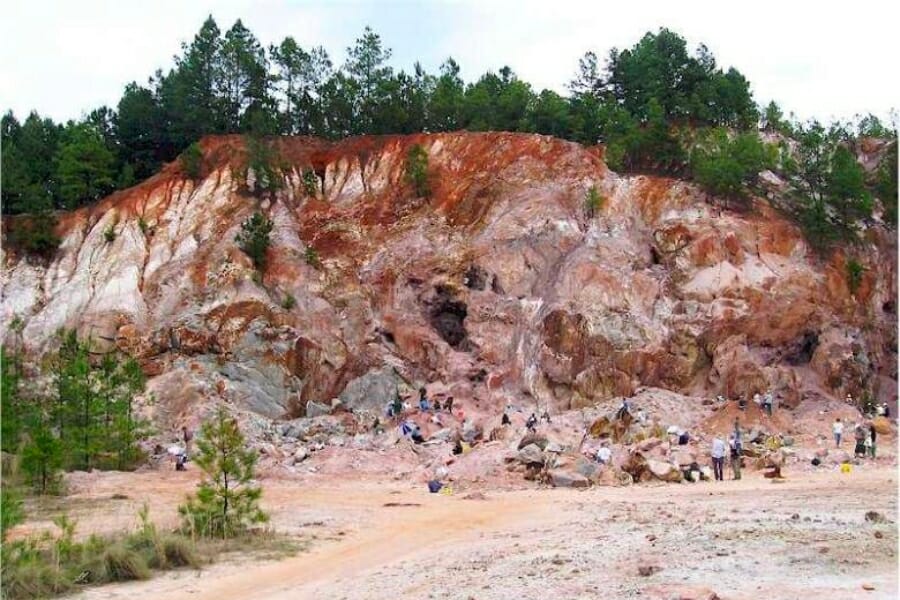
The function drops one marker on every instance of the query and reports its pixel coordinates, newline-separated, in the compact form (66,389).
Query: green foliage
(85,166)
(35,234)
(40,567)
(142,224)
(855,272)
(69,413)
(417,170)
(288,302)
(830,183)
(226,502)
(11,510)
(310,182)
(254,238)
(265,162)
(725,165)
(312,257)
(109,234)
(593,202)
(886,184)
(191,161)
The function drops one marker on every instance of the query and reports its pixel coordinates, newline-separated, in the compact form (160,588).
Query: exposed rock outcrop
(497,285)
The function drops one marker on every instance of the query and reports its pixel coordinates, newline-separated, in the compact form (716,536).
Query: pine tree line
(644,103)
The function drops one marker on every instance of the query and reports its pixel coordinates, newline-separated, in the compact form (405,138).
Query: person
(604,454)
(623,409)
(505,420)
(718,457)
(742,403)
(423,401)
(838,430)
(683,438)
(879,409)
(545,416)
(416,435)
(531,423)
(376,426)
(449,404)
(188,437)
(859,435)
(398,404)
(389,409)
(872,436)
(887,411)
(756,399)
(736,451)
(406,428)
(767,403)
(641,416)
(737,433)
(180,461)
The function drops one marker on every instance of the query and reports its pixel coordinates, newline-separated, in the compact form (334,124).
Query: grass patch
(47,565)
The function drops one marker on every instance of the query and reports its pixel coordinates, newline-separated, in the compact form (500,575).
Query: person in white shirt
(718,457)
(604,454)
(838,430)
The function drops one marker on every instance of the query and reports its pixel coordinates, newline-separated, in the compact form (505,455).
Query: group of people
(864,436)
(734,449)
(396,406)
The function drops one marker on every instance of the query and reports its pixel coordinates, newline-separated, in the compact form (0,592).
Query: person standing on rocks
(188,437)
(736,451)
(872,435)
(423,401)
(718,457)
(838,430)
(860,435)
(604,454)
(767,403)
(531,423)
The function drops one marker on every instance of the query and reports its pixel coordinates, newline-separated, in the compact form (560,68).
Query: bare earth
(804,538)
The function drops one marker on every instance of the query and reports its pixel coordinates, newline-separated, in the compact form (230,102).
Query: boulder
(301,454)
(443,435)
(636,466)
(554,447)
(531,455)
(533,438)
(610,476)
(586,467)
(882,425)
(648,444)
(471,432)
(372,391)
(664,471)
(684,458)
(838,456)
(316,409)
(572,479)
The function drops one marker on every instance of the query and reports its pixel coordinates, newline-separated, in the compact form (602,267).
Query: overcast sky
(817,59)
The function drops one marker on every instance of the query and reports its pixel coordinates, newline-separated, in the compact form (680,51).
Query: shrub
(593,202)
(123,564)
(289,302)
(312,257)
(143,225)
(225,502)
(109,234)
(191,161)
(35,234)
(417,170)
(855,271)
(310,182)
(724,166)
(254,238)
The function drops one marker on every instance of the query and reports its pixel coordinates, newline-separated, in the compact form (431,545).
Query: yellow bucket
(845,468)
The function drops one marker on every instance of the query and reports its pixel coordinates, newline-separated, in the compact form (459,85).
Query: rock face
(498,285)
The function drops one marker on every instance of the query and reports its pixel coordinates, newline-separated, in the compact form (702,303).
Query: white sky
(817,59)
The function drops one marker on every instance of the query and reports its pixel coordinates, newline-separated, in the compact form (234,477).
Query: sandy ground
(804,538)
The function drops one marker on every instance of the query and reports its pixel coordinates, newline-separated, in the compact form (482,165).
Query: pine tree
(254,238)
(226,502)
(85,166)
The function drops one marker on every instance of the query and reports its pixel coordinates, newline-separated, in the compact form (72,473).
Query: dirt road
(803,538)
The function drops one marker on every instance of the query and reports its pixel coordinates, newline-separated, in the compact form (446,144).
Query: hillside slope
(498,286)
